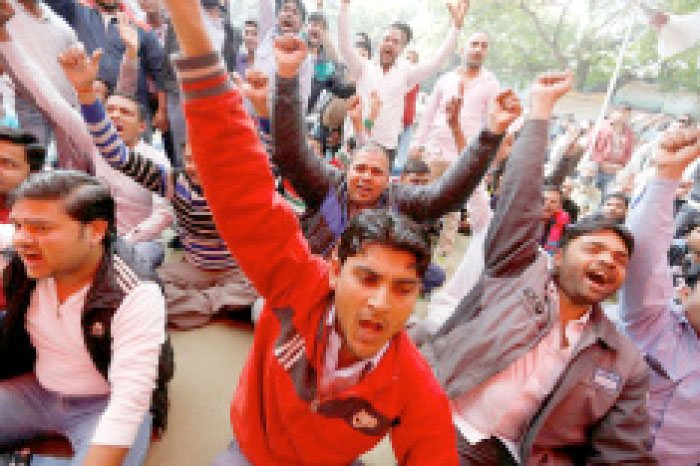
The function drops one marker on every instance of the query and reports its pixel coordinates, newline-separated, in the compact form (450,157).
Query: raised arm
(310,176)
(429,113)
(648,289)
(511,242)
(347,50)
(81,71)
(266,18)
(129,68)
(254,220)
(64,118)
(420,73)
(453,188)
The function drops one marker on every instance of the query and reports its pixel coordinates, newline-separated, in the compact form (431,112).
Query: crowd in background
(297,173)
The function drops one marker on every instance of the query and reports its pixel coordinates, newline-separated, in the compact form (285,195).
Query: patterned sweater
(203,245)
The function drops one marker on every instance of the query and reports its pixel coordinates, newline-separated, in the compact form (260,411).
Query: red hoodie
(277,415)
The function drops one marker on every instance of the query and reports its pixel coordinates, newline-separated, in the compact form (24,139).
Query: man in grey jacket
(333,197)
(535,371)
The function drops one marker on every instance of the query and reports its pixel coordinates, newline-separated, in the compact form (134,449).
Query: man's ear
(142,127)
(334,274)
(557,258)
(97,230)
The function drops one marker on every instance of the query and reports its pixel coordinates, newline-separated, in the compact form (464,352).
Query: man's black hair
(549,188)
(405,29)
(595,224)
(36,157)
(364,36)
(142,112)
(692,276)
(624,198)
(251,22)
(300,7)
(389,228)
(36,154)
(84,197)
(361,44)
(318,17)
(416,166)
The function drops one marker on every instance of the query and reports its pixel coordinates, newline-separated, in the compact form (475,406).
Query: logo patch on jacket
(364,420)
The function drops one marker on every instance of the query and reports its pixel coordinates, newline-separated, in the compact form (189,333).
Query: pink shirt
(64,366)
(503,405)
(433,132)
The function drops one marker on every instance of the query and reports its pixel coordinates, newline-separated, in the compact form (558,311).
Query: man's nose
(380,298)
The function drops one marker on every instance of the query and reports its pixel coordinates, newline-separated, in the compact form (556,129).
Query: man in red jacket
(331,370)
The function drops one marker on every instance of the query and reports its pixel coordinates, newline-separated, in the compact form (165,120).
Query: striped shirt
(203,246)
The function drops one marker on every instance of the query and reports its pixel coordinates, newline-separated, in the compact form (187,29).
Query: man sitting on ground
(534,370)
(331,370)
(207,280)
(333,197)
(85,330)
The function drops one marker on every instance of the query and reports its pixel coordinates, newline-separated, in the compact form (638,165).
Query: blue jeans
(149,254)
(27,410)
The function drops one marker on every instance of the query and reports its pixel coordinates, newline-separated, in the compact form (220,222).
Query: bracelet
(369,124)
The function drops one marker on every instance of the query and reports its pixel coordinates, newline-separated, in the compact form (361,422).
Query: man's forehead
(121,102)
(479,37)
(607,238)
(290,4)
(383,259)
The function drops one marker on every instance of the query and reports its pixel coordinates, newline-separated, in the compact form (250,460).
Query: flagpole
(611,87)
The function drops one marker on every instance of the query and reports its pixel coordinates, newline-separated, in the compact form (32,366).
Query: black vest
(113,281)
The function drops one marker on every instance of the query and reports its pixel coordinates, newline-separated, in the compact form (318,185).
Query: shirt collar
(373,361)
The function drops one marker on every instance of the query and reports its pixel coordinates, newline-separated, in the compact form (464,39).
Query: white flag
(679,34)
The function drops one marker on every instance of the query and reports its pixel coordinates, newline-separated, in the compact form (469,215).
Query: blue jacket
(90,28)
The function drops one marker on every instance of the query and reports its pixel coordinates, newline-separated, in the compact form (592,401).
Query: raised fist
(503,110)
(458,12)
(290,52)
(256,89)
(453,107)
(129,34)
(375,105)
(355,109)
(547,89)
(80,69)
(677,149)
(6,12)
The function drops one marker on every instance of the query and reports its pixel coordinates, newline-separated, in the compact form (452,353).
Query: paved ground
(208,363)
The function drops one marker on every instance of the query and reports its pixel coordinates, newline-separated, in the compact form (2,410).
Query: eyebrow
(370,271)
(599,244)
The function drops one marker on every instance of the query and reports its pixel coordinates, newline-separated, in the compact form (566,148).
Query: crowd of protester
(310,183)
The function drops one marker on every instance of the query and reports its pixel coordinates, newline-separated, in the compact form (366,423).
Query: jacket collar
(602,331)
(105,291)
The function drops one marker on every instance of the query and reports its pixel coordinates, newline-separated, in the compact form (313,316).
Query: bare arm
(350,55)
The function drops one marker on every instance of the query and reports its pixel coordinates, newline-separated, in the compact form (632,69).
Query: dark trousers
(489,452)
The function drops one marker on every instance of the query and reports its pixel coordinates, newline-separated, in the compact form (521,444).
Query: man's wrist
(672,174)
(540,112)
